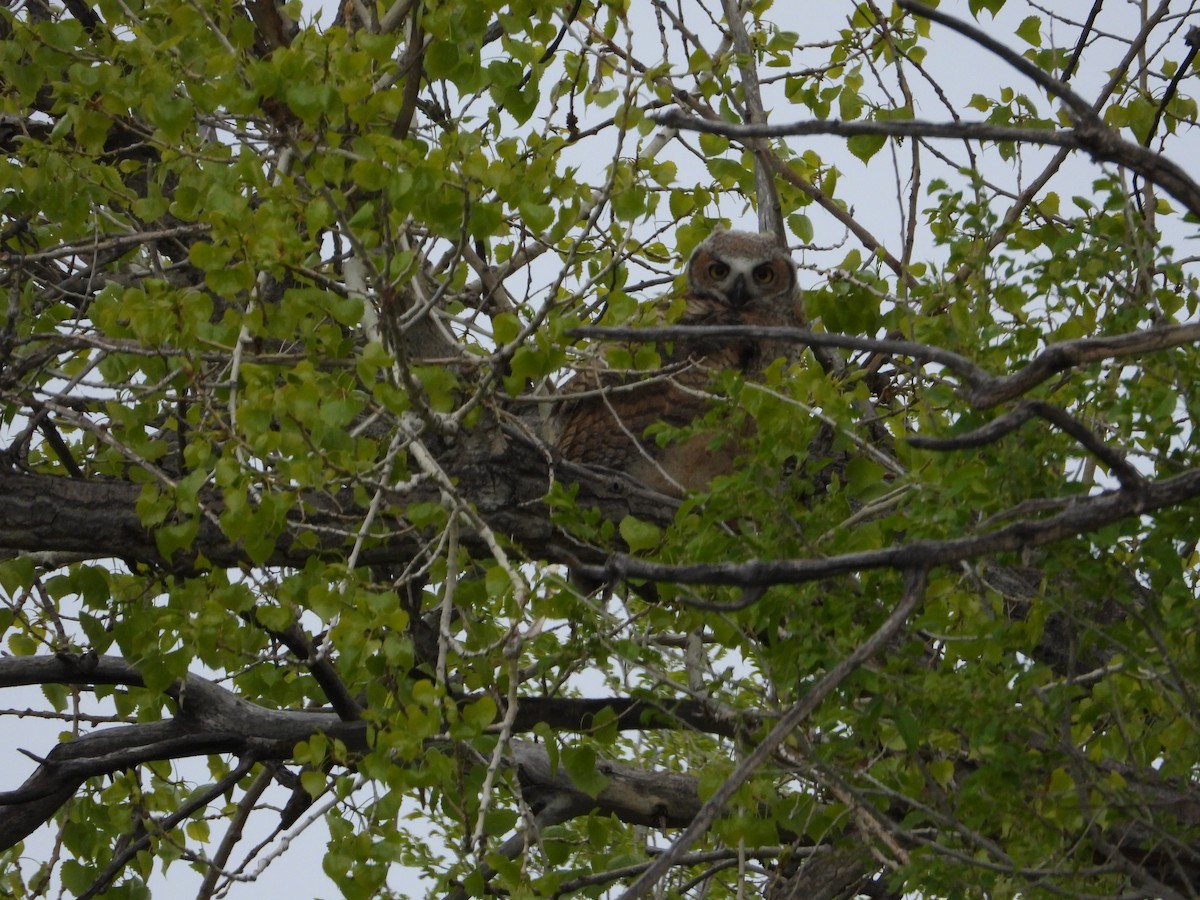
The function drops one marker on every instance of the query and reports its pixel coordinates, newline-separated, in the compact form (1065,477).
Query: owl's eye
(764,274)
(718,269)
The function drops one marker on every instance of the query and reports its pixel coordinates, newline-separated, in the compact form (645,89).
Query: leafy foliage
(288,297)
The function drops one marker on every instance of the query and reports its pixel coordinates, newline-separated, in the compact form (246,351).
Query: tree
(288,300)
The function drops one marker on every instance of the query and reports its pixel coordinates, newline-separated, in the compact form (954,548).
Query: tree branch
(1022,413)
(1089,135)
(1077,105)
(770,210)
(194,803)
(1080,517)
(506,480)
(214,720)
(986,390)
(898,128)
(914,592)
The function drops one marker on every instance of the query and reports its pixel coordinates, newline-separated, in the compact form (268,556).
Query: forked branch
(1090,133)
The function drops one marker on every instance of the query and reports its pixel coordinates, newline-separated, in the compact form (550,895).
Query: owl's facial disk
(744,281)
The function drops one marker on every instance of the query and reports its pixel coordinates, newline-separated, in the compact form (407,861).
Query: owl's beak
(738,295)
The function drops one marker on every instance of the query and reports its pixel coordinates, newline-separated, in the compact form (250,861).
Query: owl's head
(737,268)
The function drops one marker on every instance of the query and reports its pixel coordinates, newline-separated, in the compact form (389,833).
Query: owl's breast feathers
(602,415)
(751,355)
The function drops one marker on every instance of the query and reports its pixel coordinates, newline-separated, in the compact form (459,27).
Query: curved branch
(1070,354)
(1080,517)
(1093,135)
(986,390)
(1078,106)
(1090,135)
(210,720)
(214,720)
(1011,421)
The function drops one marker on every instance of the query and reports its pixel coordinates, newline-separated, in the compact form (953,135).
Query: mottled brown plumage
(734,278)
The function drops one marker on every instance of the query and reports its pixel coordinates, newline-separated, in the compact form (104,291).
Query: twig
(1053,86)
(1069,69)
(914,591)
(234,833)
(196,802)
(1093,135)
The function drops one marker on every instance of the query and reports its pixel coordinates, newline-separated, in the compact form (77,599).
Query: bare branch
(914,592)
(1079,107)
(985,390)
(1084,33)
(1090,135)
(900,128)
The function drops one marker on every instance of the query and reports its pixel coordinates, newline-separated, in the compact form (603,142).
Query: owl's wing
(602,416)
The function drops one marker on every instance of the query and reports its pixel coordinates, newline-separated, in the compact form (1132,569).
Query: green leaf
(639,535)
(1030,30)
(579,762)
(313,782)
(505,327)
(713,144)
(864,146)
(16,574)
(850,105)
(481,713)
(942,771)
(802,227)
(22,645)
(992,6)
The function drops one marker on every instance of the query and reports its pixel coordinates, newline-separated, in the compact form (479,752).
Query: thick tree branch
(1081,516)
(770,211)
(97,519)
(214,720)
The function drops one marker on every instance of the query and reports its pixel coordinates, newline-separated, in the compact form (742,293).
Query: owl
(733,278)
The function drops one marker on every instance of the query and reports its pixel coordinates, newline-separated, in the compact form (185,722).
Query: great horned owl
(733,278)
